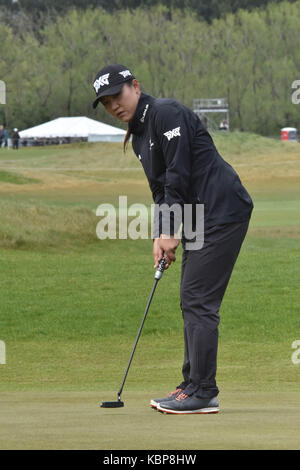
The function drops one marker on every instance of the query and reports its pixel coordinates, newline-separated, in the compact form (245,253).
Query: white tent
(75,127)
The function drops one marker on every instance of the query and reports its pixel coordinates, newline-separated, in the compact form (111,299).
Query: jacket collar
(137,123)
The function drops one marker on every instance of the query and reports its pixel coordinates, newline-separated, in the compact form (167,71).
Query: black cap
(110,81)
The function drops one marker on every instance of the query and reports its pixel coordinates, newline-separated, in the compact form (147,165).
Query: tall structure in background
(213,112)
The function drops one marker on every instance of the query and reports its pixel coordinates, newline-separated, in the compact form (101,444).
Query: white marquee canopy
(74,127)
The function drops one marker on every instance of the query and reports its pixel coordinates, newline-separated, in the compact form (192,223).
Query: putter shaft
(137,338)
(158,275)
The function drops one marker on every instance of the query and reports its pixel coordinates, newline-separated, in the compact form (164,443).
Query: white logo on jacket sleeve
(173,133)
(103,80)
(125,73)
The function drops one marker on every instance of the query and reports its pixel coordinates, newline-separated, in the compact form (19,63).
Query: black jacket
(183,165)
(15,136)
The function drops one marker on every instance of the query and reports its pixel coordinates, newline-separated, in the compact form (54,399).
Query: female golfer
(185,170)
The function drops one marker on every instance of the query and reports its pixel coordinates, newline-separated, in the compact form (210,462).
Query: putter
(158,275)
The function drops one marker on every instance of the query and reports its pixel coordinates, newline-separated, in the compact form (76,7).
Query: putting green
(247,420)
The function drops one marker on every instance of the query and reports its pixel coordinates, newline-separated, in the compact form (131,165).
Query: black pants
(204,277)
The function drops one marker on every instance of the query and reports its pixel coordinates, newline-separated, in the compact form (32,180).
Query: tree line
(250,58)
(207,10)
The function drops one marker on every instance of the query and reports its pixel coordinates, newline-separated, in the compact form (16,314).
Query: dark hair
(128,133)
(127,137)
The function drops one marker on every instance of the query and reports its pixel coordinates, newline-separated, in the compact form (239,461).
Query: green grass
(14,178)
(73,420)
(71,304)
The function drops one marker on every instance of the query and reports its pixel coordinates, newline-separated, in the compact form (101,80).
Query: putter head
(112,404)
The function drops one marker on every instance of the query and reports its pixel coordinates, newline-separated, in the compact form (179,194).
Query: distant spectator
(5,138)
(1,135)
(224,126)
(15,138)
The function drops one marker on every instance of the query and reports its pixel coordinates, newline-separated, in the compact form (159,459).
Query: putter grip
(161,268)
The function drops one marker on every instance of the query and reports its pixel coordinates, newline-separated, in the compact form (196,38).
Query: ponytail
(127,137)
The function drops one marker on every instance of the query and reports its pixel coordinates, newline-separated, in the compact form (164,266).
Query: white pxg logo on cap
(110,80)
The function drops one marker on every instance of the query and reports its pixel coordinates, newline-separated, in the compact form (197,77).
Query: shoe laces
(175,391)
(181,396)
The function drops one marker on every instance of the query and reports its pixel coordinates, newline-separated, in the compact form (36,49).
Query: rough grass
(14,178)
(32,226)
(58,207)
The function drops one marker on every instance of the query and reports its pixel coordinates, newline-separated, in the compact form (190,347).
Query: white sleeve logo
(103,80)
(173,133)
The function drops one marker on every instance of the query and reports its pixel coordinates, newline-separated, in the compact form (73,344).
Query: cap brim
(109,91)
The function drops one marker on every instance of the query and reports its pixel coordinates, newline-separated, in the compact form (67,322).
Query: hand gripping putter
(158,275)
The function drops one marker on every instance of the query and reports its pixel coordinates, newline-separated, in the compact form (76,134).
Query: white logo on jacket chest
(173,133)
(150,144)
(103,80)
